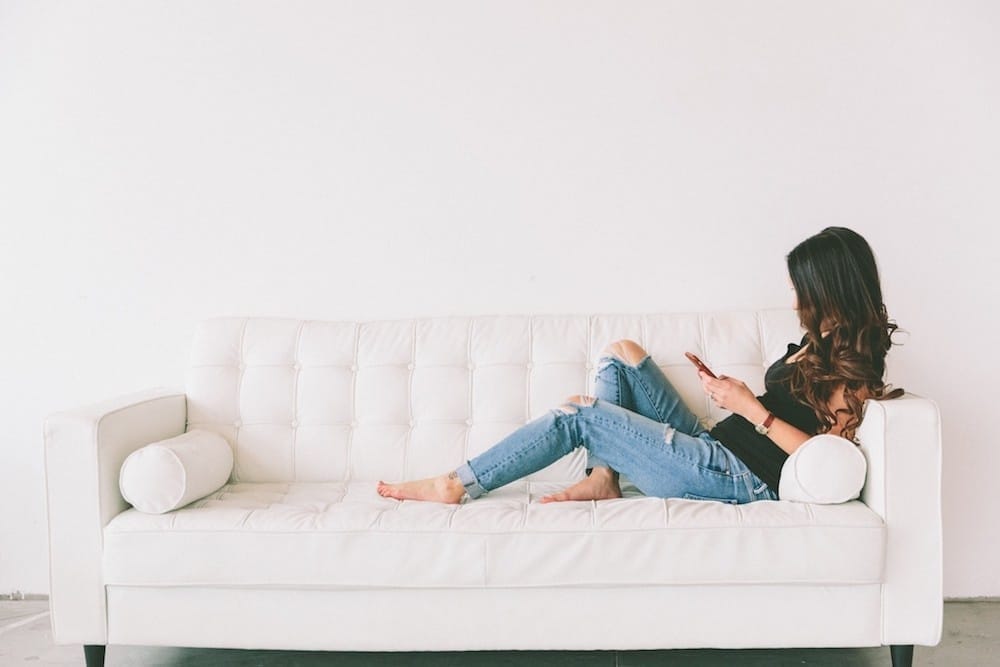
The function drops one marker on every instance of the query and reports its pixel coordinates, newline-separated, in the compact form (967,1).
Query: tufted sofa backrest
(307,400)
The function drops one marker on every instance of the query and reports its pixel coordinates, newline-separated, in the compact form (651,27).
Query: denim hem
(469,481)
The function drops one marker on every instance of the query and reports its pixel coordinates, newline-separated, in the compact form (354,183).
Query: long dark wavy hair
(837,285)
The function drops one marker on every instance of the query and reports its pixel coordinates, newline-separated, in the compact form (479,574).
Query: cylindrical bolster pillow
(826,469)
(171,473)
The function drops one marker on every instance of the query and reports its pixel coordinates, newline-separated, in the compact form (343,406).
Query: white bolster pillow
(825,469)
(171,473)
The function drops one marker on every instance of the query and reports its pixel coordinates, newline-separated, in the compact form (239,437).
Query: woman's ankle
(604,471)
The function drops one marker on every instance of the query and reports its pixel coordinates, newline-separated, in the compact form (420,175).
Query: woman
(637,424)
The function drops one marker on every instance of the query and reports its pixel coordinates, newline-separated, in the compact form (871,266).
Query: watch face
(761,429)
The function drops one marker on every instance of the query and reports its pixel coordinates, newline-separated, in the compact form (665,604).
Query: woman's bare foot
(442,489)
(602,483)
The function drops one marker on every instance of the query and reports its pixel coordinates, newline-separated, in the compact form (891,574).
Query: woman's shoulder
(794,350)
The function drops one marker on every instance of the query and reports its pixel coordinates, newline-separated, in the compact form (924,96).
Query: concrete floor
(971,638)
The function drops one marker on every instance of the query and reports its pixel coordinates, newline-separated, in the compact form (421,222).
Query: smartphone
(699,363)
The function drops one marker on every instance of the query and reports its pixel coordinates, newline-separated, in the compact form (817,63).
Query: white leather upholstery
(901,439)
(318,534)
(490,619)
(171,473)
(317,411)
(84,452)
(317,401)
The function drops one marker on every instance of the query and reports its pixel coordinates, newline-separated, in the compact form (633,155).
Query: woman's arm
(780,432)
(734,395)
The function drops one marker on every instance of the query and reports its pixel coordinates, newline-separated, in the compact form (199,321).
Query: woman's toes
(554,497)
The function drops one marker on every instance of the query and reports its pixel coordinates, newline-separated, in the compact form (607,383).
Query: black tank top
(759,452)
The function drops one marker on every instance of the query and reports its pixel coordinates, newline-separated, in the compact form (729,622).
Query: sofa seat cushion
(336,534)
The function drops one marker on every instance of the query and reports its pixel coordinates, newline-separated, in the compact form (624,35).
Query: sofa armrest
(901,439)
(84,450)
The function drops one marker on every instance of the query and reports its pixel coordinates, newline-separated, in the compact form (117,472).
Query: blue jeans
(639,426)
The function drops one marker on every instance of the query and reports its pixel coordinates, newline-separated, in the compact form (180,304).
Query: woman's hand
(730,394)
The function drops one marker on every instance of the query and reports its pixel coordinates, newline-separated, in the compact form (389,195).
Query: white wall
(164,162)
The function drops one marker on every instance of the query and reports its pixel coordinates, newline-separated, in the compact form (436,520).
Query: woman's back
(760,453)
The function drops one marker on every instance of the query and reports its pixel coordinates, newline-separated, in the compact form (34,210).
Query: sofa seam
(297,362)
(46,439)
(349,462)
(239,394)
(184,475)
(643,338)
(412,367)
(885,495)
(283,587)
(760,339)
(527,377)
(471,369)
(747,526)
(704,350)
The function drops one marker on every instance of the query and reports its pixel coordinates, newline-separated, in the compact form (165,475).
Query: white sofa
(298,551)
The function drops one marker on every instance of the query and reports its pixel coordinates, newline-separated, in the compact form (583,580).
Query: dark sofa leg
(902,655)
(94,654)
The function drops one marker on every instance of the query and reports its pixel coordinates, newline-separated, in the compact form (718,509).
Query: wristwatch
(764,428)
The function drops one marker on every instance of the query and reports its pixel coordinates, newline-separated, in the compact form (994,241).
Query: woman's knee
(627,350)
(576,401)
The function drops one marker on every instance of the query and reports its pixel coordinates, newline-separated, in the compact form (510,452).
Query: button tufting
(410,366)
(354,367)
(243,367)
(411,423)
(297,366)
(471,366)
(295,423)
(469,422)
(237,423)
